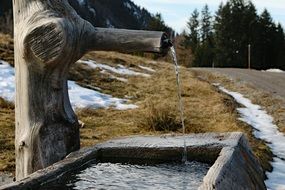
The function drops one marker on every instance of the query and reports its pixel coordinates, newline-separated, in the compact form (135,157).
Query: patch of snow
(85,5)
(81,2)
(82,97)
(135,10)
(5,178)
(121,70)
(109,24)
(136,14)
(127,5)
(79,97)
(128,97)
(275,70)
(7,81)
(147,68)
(97,88)
(92,10)
(264,129)
(216,84)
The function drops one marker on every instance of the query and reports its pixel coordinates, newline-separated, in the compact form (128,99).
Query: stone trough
(233,163)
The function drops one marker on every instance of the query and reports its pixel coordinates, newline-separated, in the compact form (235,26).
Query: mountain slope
(102,13)
(110,13)
(5,6)
(206,110)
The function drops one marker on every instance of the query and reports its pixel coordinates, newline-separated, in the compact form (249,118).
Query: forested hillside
(101,13)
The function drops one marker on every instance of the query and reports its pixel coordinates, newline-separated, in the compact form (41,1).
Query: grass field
(206,110)
(274,105)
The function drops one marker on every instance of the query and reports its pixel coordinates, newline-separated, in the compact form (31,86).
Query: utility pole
(249,56)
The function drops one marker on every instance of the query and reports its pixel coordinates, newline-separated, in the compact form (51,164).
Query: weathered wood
(122,40)
(49,37)
(235,166)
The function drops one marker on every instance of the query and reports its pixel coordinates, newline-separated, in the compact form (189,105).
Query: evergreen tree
(234,27)
(266,46)
(157,24)
(192,39)
(206,24)
(205,51)
(225,41)
(281,47)
(223,48)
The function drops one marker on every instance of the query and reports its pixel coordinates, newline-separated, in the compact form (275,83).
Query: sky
(176,12)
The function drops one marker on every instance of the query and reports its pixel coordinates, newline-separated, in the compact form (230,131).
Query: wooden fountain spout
(49,38)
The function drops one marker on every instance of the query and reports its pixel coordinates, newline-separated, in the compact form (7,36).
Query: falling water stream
(181,107)
(188,175)
(128,177)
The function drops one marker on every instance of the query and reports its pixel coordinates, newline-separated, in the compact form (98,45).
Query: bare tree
(49,37)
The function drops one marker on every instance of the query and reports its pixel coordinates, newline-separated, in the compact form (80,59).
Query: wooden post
(49,37)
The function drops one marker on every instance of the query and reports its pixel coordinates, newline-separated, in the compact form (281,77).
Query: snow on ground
(147,68)
(109,24)
(81,2)
(275,70)
(264,129)
(7,81)
(79,97)
(121,70)
(82,97)
(127,5)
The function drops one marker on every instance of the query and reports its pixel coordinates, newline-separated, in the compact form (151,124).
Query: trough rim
(230,144)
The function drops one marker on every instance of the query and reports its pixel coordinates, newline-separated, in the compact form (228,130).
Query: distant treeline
(223,40)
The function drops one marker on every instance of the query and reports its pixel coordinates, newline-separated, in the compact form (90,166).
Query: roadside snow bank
(264,129)
(275,70)
(121,70)
(79,97)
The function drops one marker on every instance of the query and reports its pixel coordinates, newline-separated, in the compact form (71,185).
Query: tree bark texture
(49,37)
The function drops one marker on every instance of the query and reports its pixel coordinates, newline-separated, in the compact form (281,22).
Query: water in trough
(125,176)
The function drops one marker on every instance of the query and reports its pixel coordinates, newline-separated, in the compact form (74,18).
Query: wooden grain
(234,165)
(49,38)
(125,41)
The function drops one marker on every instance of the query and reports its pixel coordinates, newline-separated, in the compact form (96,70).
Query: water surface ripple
(121,176)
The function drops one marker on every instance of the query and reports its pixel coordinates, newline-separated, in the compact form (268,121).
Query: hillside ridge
(102,13)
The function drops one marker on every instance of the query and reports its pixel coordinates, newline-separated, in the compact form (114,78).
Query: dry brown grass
(6,136)
(274,105)
(159,116)
(94,78)
(206,110)
(7,48)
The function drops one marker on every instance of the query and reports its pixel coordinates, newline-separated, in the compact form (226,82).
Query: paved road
(268,81)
